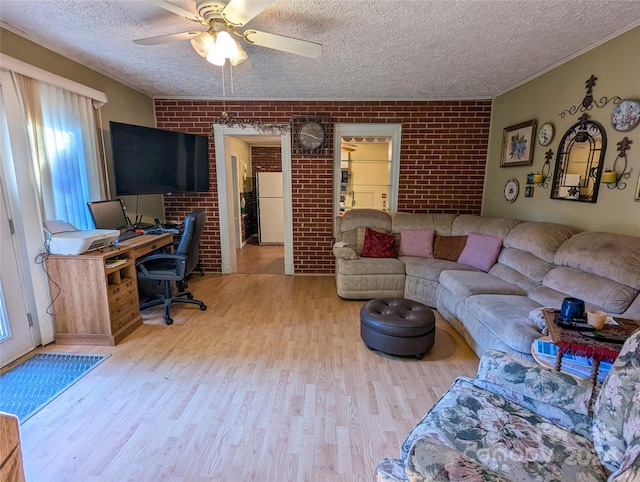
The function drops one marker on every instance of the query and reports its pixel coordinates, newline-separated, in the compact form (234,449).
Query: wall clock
(310,133)
(545,134)
(511,190)
(311,136)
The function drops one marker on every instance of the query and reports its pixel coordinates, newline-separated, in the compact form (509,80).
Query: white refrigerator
(270,208)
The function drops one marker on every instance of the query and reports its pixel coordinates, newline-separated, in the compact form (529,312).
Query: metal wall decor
(588,102)
(623,146)
(541,177)
(546,170)
(265,128)
(579,162)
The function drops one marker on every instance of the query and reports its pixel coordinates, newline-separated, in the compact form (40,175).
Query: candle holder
(541,178)
(610,177)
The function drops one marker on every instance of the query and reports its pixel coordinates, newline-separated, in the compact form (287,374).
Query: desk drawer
(148,248)
(126,308)
(125,316)
(126,290)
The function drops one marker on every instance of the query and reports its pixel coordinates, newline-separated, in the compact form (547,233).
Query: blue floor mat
(32,384)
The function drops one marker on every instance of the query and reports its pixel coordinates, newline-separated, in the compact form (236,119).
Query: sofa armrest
(342,250)
(429,460)
(538,384)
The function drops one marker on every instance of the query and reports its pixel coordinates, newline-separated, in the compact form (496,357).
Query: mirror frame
(583,131)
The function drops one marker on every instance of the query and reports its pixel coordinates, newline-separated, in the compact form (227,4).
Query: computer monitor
(108,215)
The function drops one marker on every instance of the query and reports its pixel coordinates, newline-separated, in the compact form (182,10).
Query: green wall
(124,104)
(616,64)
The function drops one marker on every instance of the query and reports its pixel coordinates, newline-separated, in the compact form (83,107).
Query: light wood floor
(271,383)
(256,259)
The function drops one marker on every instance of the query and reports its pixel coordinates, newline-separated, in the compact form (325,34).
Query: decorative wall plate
(511,190)
(545,134)
(625,115)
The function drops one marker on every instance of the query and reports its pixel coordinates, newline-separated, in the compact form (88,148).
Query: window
(61,126)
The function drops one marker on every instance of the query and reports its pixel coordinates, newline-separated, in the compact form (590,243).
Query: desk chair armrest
(153,265)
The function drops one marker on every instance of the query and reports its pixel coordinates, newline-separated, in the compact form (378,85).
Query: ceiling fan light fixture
(215,57)
(226,45)
(240,55)
(202,43)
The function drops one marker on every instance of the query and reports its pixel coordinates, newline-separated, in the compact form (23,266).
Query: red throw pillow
(378,245)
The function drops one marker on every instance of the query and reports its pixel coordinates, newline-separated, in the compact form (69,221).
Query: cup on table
(596,318)
(572,308)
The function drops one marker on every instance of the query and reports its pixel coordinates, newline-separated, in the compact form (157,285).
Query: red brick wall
(442,164)
(266,159)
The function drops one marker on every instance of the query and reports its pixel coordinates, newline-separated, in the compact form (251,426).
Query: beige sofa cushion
(610,296)
(464,284)
(540,239)
(469,223)
(440,223)
(612,256)
(430,268)
(371,266)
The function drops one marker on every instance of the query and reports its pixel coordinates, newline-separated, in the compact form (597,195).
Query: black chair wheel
(370,347)
(419,356)
(168,321)
(203,307)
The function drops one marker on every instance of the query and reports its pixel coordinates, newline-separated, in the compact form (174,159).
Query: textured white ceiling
(373,49)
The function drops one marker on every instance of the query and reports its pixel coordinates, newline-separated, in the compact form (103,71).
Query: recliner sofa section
(539,265)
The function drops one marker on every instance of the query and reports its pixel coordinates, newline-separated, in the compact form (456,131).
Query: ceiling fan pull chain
(224,95)
(231,76)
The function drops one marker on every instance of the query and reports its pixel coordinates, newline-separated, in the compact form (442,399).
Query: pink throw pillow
(378,245)
(480,251)
(416,242)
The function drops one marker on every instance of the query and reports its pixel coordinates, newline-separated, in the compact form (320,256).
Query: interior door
(16,336)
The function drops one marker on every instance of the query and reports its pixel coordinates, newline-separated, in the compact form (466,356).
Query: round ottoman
(397,326)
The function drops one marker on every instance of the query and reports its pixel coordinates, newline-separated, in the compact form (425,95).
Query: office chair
(168,267)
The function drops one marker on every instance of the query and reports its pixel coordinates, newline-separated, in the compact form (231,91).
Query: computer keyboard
(127,235)
(160,231)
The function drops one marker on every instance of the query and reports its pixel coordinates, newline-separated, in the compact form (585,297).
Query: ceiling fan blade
(243,66)
(194,17)
(286,44)
(240,12)
(162,39)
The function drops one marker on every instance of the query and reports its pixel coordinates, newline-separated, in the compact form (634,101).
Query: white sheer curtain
(63,134)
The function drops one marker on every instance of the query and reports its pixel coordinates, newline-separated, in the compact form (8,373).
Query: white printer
(66,239)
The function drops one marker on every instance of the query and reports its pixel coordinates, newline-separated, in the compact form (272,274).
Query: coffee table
(589,344)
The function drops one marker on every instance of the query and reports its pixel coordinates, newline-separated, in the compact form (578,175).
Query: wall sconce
(610,177)
(542,178)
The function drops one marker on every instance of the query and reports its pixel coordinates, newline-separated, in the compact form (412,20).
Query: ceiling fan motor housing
(209,9)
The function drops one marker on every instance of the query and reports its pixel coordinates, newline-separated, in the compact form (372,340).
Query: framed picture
(528,191)
(637,198)
(517,144)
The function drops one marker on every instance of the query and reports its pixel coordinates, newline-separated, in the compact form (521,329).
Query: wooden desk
(98,300)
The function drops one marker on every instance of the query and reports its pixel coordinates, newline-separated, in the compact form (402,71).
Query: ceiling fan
(222,19)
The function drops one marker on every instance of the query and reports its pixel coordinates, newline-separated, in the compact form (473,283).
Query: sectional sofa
(538,264)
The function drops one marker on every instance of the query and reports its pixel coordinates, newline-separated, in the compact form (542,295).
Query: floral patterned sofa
(519,421)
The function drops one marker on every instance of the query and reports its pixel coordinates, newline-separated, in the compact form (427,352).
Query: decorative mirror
(579,162)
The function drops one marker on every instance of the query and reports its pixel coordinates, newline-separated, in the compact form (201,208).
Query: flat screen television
(147,160)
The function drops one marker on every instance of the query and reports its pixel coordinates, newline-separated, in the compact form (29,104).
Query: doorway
(16,336)
(366,166)
(227,194)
